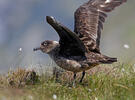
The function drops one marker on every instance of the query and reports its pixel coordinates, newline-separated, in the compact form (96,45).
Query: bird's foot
(83,74)
(74,81)
(80,81)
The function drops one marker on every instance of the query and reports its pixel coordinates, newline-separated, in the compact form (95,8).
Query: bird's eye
(45,43)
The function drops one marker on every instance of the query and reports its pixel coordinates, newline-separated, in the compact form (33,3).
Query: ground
(105,82)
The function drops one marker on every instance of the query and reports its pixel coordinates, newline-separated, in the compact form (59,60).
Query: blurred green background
(23,25)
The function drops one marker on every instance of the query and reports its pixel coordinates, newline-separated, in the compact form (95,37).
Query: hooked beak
(36,49)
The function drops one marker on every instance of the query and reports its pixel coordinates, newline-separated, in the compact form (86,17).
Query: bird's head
(47,46)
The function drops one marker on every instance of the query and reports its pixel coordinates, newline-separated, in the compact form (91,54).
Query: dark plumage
(79,50)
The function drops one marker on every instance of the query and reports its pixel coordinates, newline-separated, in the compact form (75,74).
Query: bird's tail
(108,60)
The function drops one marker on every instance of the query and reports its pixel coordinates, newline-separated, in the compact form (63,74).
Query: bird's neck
(55,52)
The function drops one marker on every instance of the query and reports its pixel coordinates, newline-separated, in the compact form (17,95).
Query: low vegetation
(106,82)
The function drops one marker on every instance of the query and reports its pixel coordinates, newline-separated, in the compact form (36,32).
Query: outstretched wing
(89,20)
(70,44)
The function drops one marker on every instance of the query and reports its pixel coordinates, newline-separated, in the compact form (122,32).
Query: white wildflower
(89,90)
(96,98)
(123,70)
(20,50)
(70,88)
(126,46)
(54,96)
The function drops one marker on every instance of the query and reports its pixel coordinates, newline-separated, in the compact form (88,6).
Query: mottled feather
(89,19)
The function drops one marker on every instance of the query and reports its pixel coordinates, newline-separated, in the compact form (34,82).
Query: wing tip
(109,60)
(50,19)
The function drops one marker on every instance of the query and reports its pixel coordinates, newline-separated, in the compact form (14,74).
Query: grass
(116,82)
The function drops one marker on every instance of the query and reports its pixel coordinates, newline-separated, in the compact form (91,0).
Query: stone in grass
(22,77)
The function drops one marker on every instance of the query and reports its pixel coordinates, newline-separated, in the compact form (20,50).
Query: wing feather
(70,44)
(89,19)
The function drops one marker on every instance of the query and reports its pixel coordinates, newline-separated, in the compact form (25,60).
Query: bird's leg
(74,79)
(83,74)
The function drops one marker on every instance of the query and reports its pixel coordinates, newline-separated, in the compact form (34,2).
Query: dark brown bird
(79,51)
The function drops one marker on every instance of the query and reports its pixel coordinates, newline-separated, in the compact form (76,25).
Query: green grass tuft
(115,82)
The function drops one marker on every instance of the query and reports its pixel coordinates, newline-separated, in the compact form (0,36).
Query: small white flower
(126,46)
(123,70)
(96,98)
(89,90)
(20,50)
(54,96)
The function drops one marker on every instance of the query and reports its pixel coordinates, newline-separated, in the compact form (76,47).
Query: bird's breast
(72,65)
